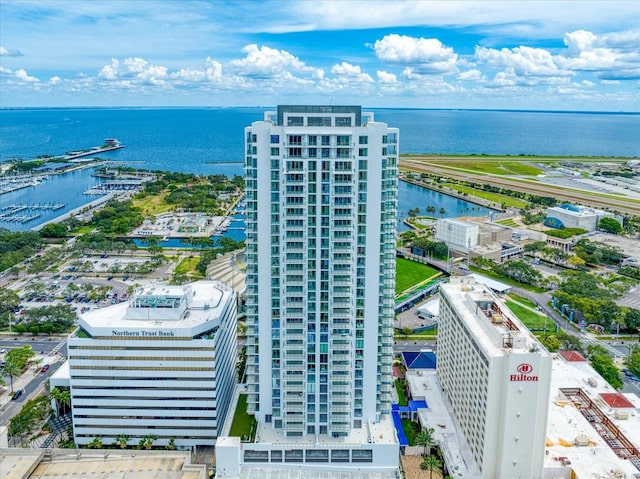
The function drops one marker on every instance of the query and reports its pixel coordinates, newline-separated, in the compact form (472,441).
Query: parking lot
(85,283)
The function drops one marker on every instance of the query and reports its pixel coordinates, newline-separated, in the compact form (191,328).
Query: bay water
(209,141)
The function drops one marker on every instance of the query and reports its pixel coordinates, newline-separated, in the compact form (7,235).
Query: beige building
(17,463)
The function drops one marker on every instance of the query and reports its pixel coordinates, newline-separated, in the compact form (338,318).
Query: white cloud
(265,62)
(425,55)
(9,53)
(135,70)
(613,56)
(54,80)
(524,61)
(386,78)
(24,76)
(471,75)
(510,77)
(531,19)
(351,73)
(211,72)
(110,72)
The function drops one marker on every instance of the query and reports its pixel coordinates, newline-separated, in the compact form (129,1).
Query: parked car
(17,394)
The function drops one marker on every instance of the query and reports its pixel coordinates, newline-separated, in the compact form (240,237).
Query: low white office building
(459,235)
(161,365)
(496,377)
(573,216)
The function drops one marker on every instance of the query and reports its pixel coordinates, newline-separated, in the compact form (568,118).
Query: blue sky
(554,55)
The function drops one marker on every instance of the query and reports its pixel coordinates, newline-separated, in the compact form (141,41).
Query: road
(35,380)
(39,345)
(409,345)
(526,185)
(31,390)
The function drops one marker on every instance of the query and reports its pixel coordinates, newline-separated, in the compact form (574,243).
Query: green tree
(62,396)
(442,212)
(121,441)
(610,225)
(602,362)
(54,230)
(431,464)
(147,441)
(95,443)
(633,361)
(551,342)
(425,439)
(9,300)
(11,369)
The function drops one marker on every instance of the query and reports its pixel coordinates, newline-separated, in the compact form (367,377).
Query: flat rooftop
(302,473)
(567,425)
(490,321)
(16,463)
(382,432)
(630,246)
(161,308)
(447,433)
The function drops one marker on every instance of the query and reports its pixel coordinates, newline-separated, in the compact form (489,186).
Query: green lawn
(188,265)
(531,319)
(506,280)
(508,222)
(244,425)
(487,195)
(411,430)
(522,300)
(409,273)
(402,400)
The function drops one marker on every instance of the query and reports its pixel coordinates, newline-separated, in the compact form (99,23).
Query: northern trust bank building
(161,364)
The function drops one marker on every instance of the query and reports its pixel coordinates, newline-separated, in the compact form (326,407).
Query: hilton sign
(524,373)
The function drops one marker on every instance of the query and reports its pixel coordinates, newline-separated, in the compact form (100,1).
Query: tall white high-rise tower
(321,185)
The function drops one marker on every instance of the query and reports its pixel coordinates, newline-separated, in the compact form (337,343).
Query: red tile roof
(571,356)
(616,400)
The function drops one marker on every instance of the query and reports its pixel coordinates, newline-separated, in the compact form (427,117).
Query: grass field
(152,205)
(507,280)
(495,167)
(188,266)
(531,319)
(522,300)
(487,195)
(409,273)
(508,222)
(243,425)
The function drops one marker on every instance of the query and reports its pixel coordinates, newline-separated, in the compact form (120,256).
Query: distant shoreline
(262,108)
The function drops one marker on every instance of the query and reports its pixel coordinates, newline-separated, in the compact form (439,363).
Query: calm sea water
(210,141)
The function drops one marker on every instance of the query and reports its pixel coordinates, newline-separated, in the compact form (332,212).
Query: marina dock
(24,213)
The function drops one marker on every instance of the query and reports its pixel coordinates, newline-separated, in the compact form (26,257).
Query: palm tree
(96,443)
(122,440)
(431,463)
(12,369)
(425,438)
(147,441)
(62,398)
(442,212)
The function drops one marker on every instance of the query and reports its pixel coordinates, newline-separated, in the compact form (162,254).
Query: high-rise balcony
(294,406)
(340,388)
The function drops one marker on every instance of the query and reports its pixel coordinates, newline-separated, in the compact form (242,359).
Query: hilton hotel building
(496,376)
(160,364)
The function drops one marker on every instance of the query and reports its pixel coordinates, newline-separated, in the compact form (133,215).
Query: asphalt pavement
(32,380)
